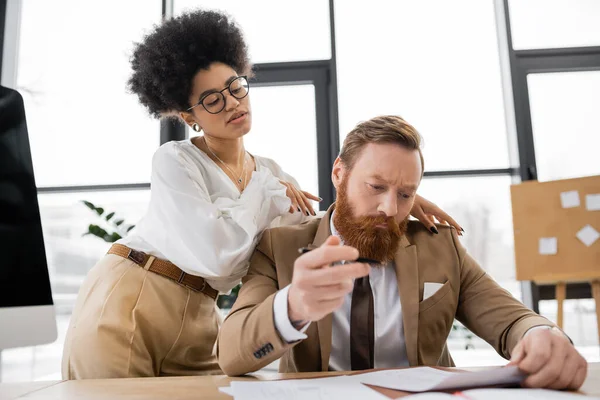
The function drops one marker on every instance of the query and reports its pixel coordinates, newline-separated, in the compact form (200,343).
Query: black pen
(303,250)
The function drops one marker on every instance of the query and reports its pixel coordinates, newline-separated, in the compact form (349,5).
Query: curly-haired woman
(148,306)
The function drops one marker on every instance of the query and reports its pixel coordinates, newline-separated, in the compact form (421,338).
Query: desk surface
(204,387)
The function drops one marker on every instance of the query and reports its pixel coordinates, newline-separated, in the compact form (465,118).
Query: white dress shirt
(390,348)
(198,220)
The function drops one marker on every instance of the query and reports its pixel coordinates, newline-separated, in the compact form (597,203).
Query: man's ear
(337,173)
(188,118)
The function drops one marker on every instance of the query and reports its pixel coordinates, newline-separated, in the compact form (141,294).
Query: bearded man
(329,310)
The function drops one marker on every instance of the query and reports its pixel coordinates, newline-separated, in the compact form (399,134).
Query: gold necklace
(239,179)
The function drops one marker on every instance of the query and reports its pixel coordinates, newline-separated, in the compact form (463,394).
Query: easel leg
(561,294)
(596,295)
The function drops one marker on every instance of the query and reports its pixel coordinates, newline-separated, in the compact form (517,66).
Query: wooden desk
(193,388)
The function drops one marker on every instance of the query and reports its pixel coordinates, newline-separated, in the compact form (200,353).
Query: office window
(539,24)
(482,206)
(284,129)
(435,63)
(564,116)
(276,30)
(64,221)
(72,70)
(579,321)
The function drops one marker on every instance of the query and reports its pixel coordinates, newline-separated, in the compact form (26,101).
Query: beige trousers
(129,322)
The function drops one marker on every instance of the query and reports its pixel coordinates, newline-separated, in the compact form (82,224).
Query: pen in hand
(303,250)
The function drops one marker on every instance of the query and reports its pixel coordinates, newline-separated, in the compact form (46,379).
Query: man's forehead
(380,156)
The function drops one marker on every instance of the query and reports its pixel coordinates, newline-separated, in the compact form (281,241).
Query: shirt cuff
(548,327)
(282,320)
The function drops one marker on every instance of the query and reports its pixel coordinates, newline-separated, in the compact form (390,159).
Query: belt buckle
(180,281)
(137,257)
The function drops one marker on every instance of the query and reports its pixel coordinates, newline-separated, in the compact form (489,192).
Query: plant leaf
(130,228)
(89,205)
(118,222)
(109,216)
(97,231)
(113,237)
(100,210)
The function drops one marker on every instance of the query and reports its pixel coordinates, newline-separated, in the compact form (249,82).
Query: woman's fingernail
(433,229)
(320,199)
(299,209)
(462,230)
(307,213)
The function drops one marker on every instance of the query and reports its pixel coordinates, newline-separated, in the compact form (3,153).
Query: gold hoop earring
(196,127)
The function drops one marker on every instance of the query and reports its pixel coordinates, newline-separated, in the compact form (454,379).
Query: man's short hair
(383,129)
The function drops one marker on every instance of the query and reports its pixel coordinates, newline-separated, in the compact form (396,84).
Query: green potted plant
(117,228)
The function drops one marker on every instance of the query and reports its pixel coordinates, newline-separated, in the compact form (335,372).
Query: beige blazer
(249,340)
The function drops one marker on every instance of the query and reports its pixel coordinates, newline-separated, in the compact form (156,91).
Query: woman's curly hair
(166,61)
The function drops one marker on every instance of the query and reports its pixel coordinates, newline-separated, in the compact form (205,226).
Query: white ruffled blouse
(198,220)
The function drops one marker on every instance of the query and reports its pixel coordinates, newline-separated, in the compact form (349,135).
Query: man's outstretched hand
(550,359)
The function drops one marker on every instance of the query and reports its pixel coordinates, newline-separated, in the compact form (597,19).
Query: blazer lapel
(407,274)
(324,326)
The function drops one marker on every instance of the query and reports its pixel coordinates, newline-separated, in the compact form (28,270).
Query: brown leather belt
(165,268)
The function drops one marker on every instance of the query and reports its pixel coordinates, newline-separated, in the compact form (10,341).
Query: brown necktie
(362,336)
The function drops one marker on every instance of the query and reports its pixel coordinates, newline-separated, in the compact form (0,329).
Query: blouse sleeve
(211,239)
(286,218)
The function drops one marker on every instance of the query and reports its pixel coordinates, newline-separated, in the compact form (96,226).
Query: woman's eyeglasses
(214,102)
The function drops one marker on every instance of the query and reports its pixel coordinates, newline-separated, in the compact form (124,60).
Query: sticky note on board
(570,199)
(588,235)
(592,202)
(548,246)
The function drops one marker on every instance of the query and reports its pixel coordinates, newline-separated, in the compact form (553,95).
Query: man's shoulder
(289,236)
(418,235)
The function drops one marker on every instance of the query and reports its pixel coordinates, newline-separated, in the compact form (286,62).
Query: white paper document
(425,379)
(548,246)
(592,202)
(570,199)
(502,394)
(341,387)
(227,390)
(588,235)
(350,387)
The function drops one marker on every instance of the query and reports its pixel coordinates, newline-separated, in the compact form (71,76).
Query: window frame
(521,64)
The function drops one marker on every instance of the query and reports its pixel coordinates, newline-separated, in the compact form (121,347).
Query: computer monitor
(26,309)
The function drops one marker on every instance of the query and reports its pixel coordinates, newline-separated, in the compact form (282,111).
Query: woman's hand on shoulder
(300,199)
(425,211)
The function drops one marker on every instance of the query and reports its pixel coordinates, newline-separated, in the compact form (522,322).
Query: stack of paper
(422,379)
(501,394)
(411,380)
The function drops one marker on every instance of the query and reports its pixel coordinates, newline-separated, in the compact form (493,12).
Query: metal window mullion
(471,173)
(326,152)
(93,188)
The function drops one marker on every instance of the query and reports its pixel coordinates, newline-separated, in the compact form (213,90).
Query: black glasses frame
(228,88)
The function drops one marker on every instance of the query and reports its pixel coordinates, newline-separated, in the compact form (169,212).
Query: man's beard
(362,232)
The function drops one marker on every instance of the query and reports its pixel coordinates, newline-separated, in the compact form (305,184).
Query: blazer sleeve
(249,340)
(488,310)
